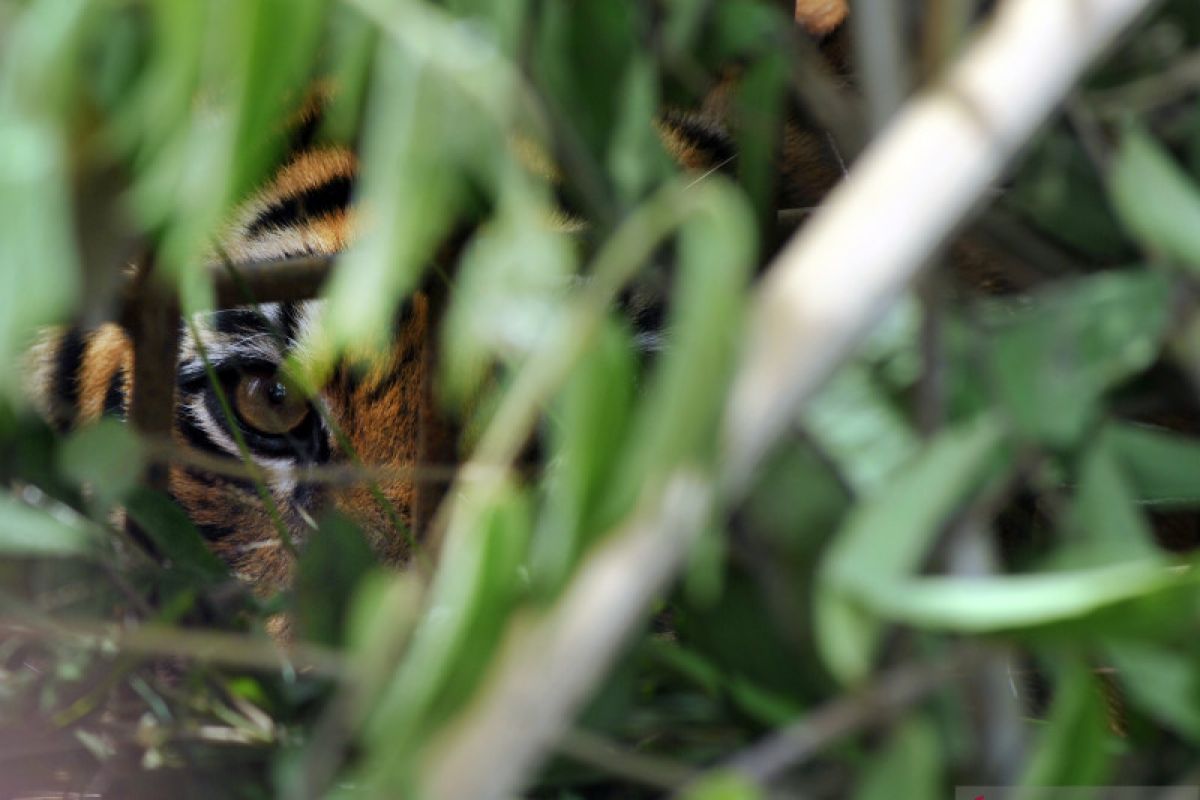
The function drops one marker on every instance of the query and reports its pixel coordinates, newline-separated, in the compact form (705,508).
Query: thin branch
(613,759)
(889,695)
(215,647)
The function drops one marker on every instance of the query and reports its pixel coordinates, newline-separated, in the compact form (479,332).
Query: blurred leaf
(582,49)
(1059,192)
(106,457)
(1052,360)
(352,45)
(853,418)
(635,156)
(912,760)
(1160,466)
(38,58)
(1105,524)
(686,393)
(724,786)
(588,429)
(1071,750)
(249,62)
(29,531)
(1002,603)
(473,591)
(1156,200)
(682,26)
(865,434)
(335,558)
(171,531)
(511,282)
(756,664)
(759,129)
(743,27)
(1163,681)
(771,510)
(886,537)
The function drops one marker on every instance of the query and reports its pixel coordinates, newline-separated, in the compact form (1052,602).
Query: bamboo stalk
(909,192)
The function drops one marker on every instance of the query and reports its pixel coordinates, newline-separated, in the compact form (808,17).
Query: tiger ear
(821,17)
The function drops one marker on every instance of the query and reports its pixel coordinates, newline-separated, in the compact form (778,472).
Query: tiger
(235,356)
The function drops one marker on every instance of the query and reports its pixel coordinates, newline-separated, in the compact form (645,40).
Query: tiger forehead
(262,334)
(266,335)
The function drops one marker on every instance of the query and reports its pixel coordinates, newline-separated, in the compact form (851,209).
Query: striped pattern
(305,209)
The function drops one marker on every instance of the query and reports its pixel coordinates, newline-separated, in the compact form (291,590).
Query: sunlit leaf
(1001,603)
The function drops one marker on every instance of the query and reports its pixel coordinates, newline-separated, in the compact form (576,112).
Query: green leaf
(105,457)
(1156,200)
(174,535)
(476,584)
(1164,682)
(886,537)
(1105,525)
(635,158)
(1071,750)
(39,57)
(29,531)
(991,605)
(1052,360)
(1059,192)
(1161,467)
(682,404)
(588,429)
(855,423)
(511,283)
(911,760)
(335,558)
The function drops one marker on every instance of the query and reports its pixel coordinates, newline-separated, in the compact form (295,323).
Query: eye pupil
(277,394)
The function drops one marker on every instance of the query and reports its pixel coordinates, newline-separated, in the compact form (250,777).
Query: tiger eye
(267,404)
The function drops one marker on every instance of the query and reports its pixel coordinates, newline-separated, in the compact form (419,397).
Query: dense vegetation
(967,563)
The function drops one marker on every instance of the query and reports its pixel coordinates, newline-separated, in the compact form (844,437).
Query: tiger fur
(79,375)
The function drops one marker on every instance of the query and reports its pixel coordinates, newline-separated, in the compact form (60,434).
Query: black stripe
(215,533)
(200,440)
(314,202)
(114,398)
(242,321)
(702,135)
(65,390)
(289,314)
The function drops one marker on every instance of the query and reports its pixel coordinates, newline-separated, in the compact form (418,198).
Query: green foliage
(995,476)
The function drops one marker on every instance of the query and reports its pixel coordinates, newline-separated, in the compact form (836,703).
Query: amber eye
(268,404)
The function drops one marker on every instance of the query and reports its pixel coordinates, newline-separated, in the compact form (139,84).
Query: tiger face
(234,406)
(233,401)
